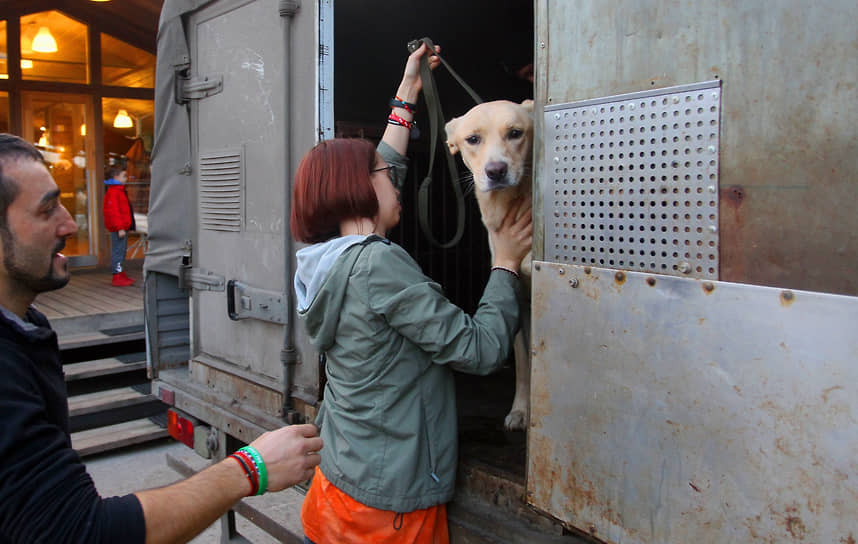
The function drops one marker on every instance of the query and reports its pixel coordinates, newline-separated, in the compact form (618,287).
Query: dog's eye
(473,139)
(515,134)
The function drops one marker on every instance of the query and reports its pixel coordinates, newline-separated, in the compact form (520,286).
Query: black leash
(436,119)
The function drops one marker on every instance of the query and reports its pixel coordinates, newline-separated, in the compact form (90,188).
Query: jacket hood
(320,286)
(113,181)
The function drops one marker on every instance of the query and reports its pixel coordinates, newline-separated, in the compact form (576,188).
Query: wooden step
(116,436)
(105,367)
(98,338)
(102,401)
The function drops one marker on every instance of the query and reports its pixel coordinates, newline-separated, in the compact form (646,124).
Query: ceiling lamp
(122,120)
(44,42)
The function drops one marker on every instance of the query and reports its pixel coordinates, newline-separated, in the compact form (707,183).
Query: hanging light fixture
(43,140)
(122,120)
(83,129)
(44,42)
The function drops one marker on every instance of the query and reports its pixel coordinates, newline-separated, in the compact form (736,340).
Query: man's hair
(13,148)
(332,184)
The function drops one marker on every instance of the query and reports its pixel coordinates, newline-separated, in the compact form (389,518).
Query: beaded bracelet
(259,465)
(394,119)
(250,473)
(510,270)
(407,106)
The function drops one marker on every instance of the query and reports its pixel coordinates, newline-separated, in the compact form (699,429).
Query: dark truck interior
(487,43)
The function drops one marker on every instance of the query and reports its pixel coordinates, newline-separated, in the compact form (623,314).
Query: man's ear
(450,130)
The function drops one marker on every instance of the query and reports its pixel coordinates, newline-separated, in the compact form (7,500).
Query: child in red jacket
(119,219)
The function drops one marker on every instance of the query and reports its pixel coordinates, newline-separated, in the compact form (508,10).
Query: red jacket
(117,209)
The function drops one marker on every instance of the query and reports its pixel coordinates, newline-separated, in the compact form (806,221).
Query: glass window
(4,67)
(56,124)
(124,65)
(54,48)
(128,129)
(4,112)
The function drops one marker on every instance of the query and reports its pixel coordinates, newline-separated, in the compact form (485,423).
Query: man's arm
(179,512)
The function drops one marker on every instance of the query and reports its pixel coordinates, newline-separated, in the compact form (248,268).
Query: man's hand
(290,454)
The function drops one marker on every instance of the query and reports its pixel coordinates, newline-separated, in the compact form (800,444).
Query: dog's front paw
(516,420)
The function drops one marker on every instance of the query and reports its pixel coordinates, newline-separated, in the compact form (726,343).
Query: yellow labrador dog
(495,140)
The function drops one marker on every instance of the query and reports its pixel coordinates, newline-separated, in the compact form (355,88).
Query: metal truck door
(238,141)
(691,380)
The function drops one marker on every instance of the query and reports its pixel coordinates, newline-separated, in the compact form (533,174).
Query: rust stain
(825,392)
(588,270)
(620,278)
(787,298)
(708,287)
(650,282)
(796,527)
(847,540)
(694,487)
(735,195)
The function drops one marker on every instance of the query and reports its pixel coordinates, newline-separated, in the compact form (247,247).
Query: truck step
(111,437)
(105,367)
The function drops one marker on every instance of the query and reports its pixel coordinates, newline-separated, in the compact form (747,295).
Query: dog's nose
(496,171)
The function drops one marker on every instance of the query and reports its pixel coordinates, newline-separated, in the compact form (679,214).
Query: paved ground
(145,467)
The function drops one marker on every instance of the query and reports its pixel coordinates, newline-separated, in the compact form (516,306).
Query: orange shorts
(330,516)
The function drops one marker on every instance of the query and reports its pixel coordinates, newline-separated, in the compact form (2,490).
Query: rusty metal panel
(788,143)
(631,181)
(669,409)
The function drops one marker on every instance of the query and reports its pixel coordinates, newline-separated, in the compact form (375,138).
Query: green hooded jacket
(392,340)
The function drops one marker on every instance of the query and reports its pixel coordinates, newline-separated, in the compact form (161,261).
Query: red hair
(332,184)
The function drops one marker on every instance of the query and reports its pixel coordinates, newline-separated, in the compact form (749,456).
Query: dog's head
(495,141)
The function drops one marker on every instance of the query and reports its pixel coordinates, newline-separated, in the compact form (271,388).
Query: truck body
(694,310)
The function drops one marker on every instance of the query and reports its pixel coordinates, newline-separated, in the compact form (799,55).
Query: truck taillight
(180,428)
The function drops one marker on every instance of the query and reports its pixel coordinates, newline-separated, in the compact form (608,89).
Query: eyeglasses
(389,169)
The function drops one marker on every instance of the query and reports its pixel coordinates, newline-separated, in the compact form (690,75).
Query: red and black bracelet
(394,119)
(397,102)
(249,470)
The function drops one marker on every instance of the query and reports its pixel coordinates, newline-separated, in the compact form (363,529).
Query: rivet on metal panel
(587,270)
(712,149)
(684,267)
(713,229)
(675,99)
(620,277)
(561,271)
(537,266)
(557,116)
(573,282)
(542,45)
(650,282)
(787,298)
(708,286)
(556,159)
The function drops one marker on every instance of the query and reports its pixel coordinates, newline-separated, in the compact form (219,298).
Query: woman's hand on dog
(513,239)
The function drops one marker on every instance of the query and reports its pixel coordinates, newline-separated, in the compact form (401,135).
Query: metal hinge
(200,279)
(246,302)
(188,88)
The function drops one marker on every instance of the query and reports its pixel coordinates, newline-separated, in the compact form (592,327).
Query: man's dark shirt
(46,494)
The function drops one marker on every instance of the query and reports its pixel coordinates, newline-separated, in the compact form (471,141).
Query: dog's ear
(450,130)
(527,104)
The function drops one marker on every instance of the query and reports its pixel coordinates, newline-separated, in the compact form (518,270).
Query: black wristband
(407,106)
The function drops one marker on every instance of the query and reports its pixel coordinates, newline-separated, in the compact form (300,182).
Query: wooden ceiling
(133,21)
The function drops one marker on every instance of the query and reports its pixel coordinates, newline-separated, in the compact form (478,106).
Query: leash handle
(436,117)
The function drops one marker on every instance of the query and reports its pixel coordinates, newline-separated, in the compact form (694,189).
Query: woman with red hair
(390,339)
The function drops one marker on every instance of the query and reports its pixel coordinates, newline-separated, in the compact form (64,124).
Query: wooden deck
(89,303)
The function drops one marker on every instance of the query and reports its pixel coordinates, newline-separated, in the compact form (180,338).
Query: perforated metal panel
(631,181)
(222,190)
